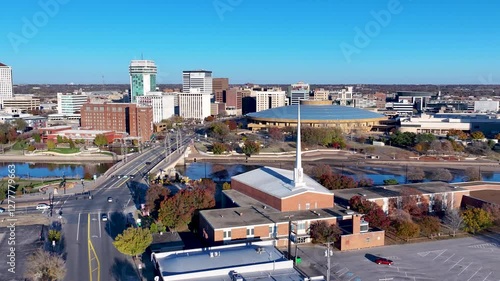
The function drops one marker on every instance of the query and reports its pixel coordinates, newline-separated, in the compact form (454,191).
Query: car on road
(2,210)
(104,217)
(148,163)
(119,176)
(42,206)
(383,261)
(131,176)
(110,199)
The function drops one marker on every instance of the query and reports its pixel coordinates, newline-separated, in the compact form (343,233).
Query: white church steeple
(298,172)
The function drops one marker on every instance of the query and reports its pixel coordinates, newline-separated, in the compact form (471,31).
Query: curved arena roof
(315,113)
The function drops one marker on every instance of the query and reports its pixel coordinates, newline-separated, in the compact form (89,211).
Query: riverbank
(63,159)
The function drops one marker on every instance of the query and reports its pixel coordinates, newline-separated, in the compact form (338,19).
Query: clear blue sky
(258,41)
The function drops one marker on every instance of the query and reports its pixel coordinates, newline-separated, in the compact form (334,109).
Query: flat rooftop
(211,261)
(86,132)
(275,275)
(243,200)
(252,216)
(490,196)
(395,190)
(278,182)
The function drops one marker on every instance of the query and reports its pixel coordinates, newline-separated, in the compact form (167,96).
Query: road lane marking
(439,254)
(474,273)
(100,227)
(78,227)
(487,276)
(449,258)
(91,249)
(88,247)
(465,268)
(456,264)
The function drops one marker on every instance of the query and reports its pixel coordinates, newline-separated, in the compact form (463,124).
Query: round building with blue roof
(316,114)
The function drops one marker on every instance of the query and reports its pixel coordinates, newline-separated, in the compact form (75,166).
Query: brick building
(219,87)
(275,204)
(135,120)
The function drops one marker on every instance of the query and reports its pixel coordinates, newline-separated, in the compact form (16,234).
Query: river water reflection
(44,170)
(223,172)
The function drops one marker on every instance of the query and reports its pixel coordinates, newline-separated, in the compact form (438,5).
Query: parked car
(383,261)
(104,217)
(2,210)
(42,206)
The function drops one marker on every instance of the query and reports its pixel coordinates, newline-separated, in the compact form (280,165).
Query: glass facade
(137,86)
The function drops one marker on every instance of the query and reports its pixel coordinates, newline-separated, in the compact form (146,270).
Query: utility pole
(328,255)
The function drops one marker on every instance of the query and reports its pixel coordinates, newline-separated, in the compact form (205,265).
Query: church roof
(279,182)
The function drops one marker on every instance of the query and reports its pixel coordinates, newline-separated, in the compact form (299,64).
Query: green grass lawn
(65,150)
(20,145)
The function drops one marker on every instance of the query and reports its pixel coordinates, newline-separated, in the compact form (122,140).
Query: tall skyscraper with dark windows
(142,78)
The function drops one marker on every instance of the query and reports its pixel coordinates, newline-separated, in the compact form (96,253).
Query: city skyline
(318,42)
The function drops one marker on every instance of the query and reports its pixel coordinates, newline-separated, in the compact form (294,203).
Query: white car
(42,206)
(104,217)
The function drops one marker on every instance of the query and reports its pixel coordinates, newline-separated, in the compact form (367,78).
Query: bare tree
(441,174)
(416,174)
(454,220)
(472,173)
(435,146)
(43,266)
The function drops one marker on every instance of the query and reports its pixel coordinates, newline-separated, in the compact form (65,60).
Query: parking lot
(466,259)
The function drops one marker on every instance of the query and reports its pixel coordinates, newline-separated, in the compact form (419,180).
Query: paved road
(88,239)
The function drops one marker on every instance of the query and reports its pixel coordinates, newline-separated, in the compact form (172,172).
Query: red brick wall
(362,240)
(256,194)
(315,200)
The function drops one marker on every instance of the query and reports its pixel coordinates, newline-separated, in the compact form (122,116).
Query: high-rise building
(234,98)
(270,98)
(194,105)
(321,94)
(197,79)
(163,104)
(142,78)
(5,82)
(70,103)
(220,86)
(135,120)
(297,92)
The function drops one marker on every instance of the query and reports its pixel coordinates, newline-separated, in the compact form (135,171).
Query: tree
(391,182)
(365,182)
(31,148)
(44,266)
(405,139)
(497,136)
(478,148)
(407,229)
(250,148)
(422,147)
(473,174)
(276,134)
(476,219)
(71,144)
(20,124)
(37,137)
(494,211)
(226,186)
(100,140)
(461,135)
(209,118)
(323,232)
(54,235)
(416,174)
(51,145)
(373,212)
(219,130)
(133,241)
(413,202)
(436,147)
(337,181)
(219,148)
(441,174)
(154,196)
(320,170)
(429,225)
(477,135)
(232,125)
(59,139)
(424,138)
(454,220)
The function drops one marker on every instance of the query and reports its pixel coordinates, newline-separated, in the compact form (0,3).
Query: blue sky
(258,41)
